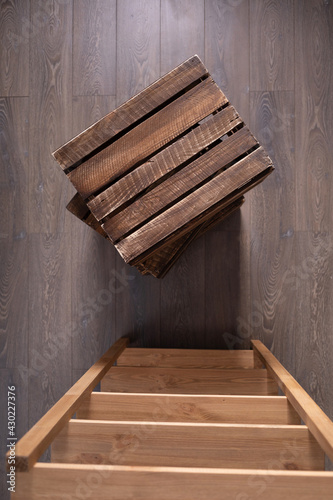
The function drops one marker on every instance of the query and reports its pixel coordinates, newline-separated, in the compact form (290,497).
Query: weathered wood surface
(164,162)
(193,206)
(155,162)
(180,184)
(147,137)
(130,112)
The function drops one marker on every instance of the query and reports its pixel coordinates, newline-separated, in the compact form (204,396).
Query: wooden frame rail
(39,437)
(316,420)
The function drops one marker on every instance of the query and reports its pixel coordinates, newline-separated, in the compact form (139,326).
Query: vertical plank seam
(71,223)
(28,222)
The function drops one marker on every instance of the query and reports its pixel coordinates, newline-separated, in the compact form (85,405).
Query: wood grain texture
(227,50)
(50,116)
(177,186)
(50,324)
(138,46)
(138,64)
(187,445)
(35,442)
(273,227)
(205,216)
(313,343)
(49,256)
(186,358)
(182,31)
(147,137)
(320,426)
(182,290)
(178,319)
(114,482)
(314,97)
(14,171)
(226,285)
(14,47)
(227,271)
(272,45)
(164,162)
(186,408)
(129,113)
(207,196)
(94,47)
(93,285)
(189,381)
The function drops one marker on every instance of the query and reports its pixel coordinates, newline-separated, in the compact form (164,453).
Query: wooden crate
(164,167)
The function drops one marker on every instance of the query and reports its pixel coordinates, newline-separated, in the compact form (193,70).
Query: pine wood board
(188,408)
(114,482)
(312,415)
(189,381)
(246,446)
(186,358)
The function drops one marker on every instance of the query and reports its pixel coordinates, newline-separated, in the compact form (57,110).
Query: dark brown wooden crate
(156,172)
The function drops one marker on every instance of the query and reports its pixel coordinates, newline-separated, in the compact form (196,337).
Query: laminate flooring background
(266,273)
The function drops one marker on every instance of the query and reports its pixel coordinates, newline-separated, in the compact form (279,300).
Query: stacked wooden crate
(164,167)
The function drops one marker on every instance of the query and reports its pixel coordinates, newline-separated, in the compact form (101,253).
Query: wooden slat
(187,408)
(317,421)
(186,358)
(188,445)
(205,216)
(147,137)
(114,482)
(181,183)
(39,437)
(164,162)
(193,205)
(189,381)
(78,207)
(130,112)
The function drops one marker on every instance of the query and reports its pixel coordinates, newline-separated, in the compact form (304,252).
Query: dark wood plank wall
(266,273)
